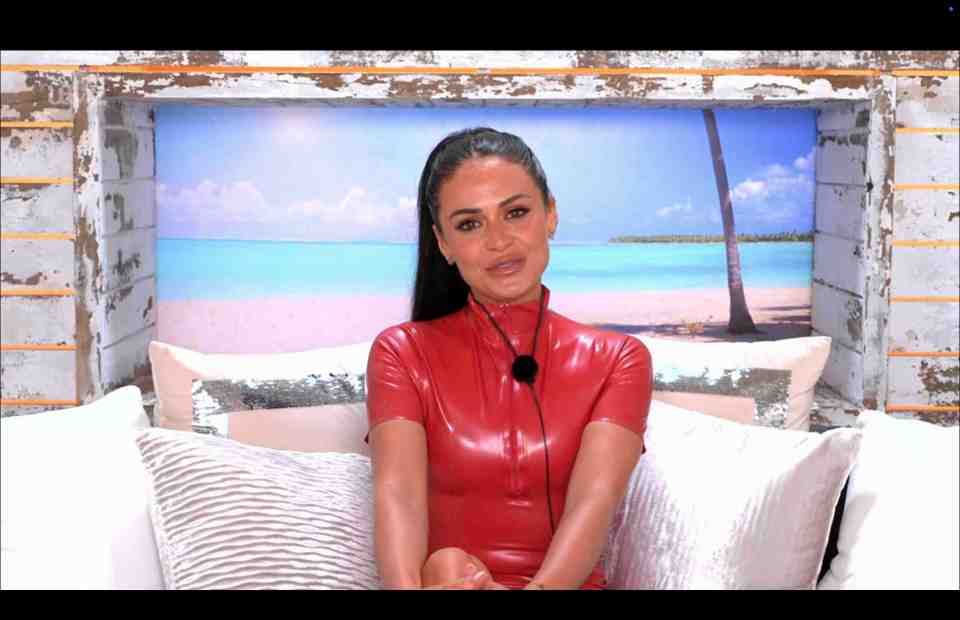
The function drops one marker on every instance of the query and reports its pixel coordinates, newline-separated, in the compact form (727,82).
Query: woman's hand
(481,580)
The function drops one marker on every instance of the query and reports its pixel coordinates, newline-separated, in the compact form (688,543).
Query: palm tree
(740,320)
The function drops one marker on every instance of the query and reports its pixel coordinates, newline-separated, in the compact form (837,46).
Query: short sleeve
(391,392)
(625,397)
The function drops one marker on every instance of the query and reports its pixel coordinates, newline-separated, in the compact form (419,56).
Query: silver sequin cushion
(232,516)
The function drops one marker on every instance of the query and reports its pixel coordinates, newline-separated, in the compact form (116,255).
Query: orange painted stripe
(923,408)
(907,243)
(928,129)
(39,236)
(36,125)
(41,68)
(38,347)
(63,292)
(473,70)
(930,298)
(924,354)
(925,73)
(692,71)
(900,186)
(233,69)
(19,402)
(36,180)
(532,71)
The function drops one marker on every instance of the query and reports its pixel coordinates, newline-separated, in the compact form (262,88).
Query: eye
(518,212)
(467,225)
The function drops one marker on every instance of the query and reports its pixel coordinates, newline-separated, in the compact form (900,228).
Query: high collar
(518,319)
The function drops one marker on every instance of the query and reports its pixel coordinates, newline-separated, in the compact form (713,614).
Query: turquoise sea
(216,269)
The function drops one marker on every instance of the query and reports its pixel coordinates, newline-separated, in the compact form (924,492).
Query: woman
(503,434)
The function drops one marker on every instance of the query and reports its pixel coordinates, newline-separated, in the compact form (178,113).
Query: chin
(509,292)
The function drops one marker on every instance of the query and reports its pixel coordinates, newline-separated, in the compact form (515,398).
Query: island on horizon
(741,238)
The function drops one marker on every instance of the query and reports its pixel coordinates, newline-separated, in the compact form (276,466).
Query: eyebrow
(476,210)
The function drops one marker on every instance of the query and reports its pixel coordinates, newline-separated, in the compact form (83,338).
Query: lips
(507,266)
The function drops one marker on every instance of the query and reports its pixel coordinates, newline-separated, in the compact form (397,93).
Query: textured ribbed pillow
(231,516)
(714,504)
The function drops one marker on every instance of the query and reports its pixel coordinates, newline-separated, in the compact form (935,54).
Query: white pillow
(901,520)
(232,516)
(804,357)
(714,504)
(74,510)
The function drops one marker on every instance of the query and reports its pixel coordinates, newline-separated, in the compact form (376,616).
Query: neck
(515,319)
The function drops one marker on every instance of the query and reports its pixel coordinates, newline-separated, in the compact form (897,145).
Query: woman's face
(494,227)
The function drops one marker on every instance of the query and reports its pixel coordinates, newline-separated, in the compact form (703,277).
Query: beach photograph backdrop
(283,229)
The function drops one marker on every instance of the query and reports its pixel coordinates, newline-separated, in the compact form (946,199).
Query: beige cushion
(804,357)
(718,505)
(175,369)
(325,428)
(231,516)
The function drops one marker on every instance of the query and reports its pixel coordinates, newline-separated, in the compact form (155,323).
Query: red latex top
(487,492)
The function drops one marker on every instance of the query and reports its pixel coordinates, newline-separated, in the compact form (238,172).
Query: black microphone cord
(525,370)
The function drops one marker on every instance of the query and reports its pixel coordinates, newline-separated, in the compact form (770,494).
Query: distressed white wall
(110,155)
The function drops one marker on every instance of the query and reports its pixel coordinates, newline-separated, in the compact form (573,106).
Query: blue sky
(350,174)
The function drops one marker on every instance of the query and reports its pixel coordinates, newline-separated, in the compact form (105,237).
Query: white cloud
(750,189)
(775,170)
(680,208)
(233,202)
(805,162)
(360,214)
(240,210)
(777,192)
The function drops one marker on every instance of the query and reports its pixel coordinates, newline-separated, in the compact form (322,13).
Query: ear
(442,243)
(552,217)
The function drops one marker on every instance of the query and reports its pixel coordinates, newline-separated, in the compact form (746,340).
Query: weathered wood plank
(46,208)
(842,157)
(127,362)
(37,320)
(927,215)
(840,263)
(127,114)
(128,205)
(840,211)
(31,264)
(127,154)
(33,96)
(813,59)
(838,315)
(128,257)
(128,310)
(928,102)
(924,326)
(36,153)
(48,375)
(843,371)
(925,271)
(843,117)
(917,381)
(927,158)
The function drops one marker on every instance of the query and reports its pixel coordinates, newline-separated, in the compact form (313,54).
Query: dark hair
(439,289)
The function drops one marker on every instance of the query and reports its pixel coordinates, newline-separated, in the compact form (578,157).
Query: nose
(497,237)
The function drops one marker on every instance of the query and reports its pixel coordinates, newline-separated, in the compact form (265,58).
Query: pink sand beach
(287,324)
